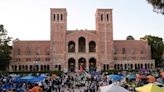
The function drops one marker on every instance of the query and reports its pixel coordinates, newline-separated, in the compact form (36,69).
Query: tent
(27,78)
(150,88)
(131,76)
(112,88)
(115,77)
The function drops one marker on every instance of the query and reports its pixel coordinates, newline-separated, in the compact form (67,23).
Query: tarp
(115,77)
(131,76)
(150,88)
(112,88)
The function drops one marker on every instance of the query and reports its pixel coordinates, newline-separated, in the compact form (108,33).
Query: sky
(30,19)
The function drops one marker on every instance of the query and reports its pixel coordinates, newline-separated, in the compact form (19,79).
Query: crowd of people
(77,82)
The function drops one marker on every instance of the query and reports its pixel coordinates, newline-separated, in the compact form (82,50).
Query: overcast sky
(30,19)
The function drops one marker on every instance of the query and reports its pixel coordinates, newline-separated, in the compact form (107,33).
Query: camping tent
(112,88)
(150,88)
(115,77)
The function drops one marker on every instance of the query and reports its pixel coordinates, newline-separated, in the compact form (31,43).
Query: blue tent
(17,79)
(27,78)
(115,77)
(132,76)
(37,79)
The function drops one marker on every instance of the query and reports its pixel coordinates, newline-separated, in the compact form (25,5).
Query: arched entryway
(82,62)
(71,65)
(92,64)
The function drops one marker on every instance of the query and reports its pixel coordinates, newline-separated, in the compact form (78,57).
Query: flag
(81,69)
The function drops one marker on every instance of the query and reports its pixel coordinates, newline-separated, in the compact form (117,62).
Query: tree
(157,48)
(5,48)
(130,37)
(158,5)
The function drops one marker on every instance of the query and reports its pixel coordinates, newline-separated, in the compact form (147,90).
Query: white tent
(112,88)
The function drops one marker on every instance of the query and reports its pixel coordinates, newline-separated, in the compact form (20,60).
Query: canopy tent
(29,79)
(150,88)
(112,88)
(131,76)
(115,77)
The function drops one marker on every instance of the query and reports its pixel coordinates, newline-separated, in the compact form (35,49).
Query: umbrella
(112,88)
(115,77)
(151,78)
(150,88)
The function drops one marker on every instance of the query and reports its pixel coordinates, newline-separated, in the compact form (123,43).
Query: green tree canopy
(5,49)
(130,37)
(157,47)
(158,5)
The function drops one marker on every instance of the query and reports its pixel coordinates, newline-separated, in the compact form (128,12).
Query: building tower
(104,30)
(58,38)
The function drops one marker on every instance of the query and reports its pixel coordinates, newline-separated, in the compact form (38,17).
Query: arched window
(101,17)
(61,16)
(57,17)
(81,44)
(92,46)
(71,46)
(107,17)
(54,17)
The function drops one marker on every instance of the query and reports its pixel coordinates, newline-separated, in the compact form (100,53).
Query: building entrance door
(71,65)
(92,64)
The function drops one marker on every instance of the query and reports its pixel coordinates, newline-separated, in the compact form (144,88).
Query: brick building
(70,49)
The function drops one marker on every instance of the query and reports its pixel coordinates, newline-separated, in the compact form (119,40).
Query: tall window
(81,44)
(17,51)
(47,51)
(115,51)
(92,46)
(37,51)
(123,50)
(61,16)
(142,50)
(133,51)
(101,17)
(107,17)
(57,17)
(54,17)
(71,46)
(28,52)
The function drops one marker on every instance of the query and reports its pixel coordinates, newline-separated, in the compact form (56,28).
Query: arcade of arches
(82,62)
(30,67)
(133,66)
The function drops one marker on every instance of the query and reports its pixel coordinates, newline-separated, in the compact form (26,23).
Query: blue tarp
(115,77)
(29,79)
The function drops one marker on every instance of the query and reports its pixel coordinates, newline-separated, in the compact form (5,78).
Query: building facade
(68,50)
